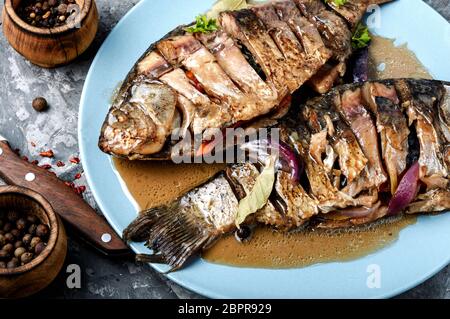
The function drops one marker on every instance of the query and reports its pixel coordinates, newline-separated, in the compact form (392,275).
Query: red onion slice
(406,190)
(290,157)
(287,156)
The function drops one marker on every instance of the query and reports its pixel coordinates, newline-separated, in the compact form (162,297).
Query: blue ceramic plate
(422,249)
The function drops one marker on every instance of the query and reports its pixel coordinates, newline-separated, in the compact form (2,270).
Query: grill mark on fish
(245,26)
(392,127)
(288,44)
(335,33)
(233,62)
(420,99)
(352,110)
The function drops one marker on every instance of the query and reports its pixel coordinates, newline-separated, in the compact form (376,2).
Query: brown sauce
(156,183)
(270,249)
(387,61)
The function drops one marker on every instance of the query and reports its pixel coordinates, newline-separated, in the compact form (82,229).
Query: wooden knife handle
(69,205)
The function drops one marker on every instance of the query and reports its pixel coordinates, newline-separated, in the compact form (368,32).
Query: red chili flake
(78,176)
(25,158)
(46,166)
(81,189)
(60,164)
(17,151)
(48,153)
(33,144)
(35,162)
(75,160)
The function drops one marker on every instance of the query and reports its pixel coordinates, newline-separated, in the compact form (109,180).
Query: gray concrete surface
(102,277)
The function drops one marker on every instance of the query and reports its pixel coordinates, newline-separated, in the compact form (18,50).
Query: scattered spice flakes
(48,153)
(81,189)
(33,144)
(70,184)
(17,151)
(75,160)
(77,176)
(60,164)
(46,166)
(25,158)
(35,162)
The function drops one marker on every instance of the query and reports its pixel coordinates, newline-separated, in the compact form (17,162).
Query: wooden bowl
(28,279)
(51,47)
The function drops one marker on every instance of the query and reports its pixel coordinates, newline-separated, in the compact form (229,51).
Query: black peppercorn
(26,258)
(18,244)
(7,227)
(9,238)
(19,252)
(39,104)
(39,248)
(34,242)
(15,232)
(27,239)
(42,231)
(9,248)
(21,224)
(243,234)
(32,229)
(32,219)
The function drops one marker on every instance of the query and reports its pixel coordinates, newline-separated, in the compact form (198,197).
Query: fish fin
(173,232)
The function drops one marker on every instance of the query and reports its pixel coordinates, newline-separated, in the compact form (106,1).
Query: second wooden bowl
(40,272)
(51,47)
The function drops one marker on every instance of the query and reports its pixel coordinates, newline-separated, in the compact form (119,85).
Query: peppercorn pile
(22,238)
(47,14)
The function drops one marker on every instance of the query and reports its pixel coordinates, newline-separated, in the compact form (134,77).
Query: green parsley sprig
(203,25)
(337,3)
(361,37)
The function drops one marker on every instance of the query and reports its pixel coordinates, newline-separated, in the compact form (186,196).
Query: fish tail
(174,234)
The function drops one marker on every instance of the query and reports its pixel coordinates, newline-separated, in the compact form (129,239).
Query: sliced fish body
(421,100)
(335,32)
(231,59)
(312,44)
(245,26)
(339,186)
(287,43)
(246,69)
(358,118)
(352,10)
(392,126)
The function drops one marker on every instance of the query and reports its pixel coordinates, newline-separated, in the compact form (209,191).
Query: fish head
(141,123)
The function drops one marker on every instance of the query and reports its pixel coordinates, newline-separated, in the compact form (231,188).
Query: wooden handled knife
(69,205)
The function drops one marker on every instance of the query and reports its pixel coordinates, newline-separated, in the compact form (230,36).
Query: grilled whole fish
(187,83)
(356,143)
